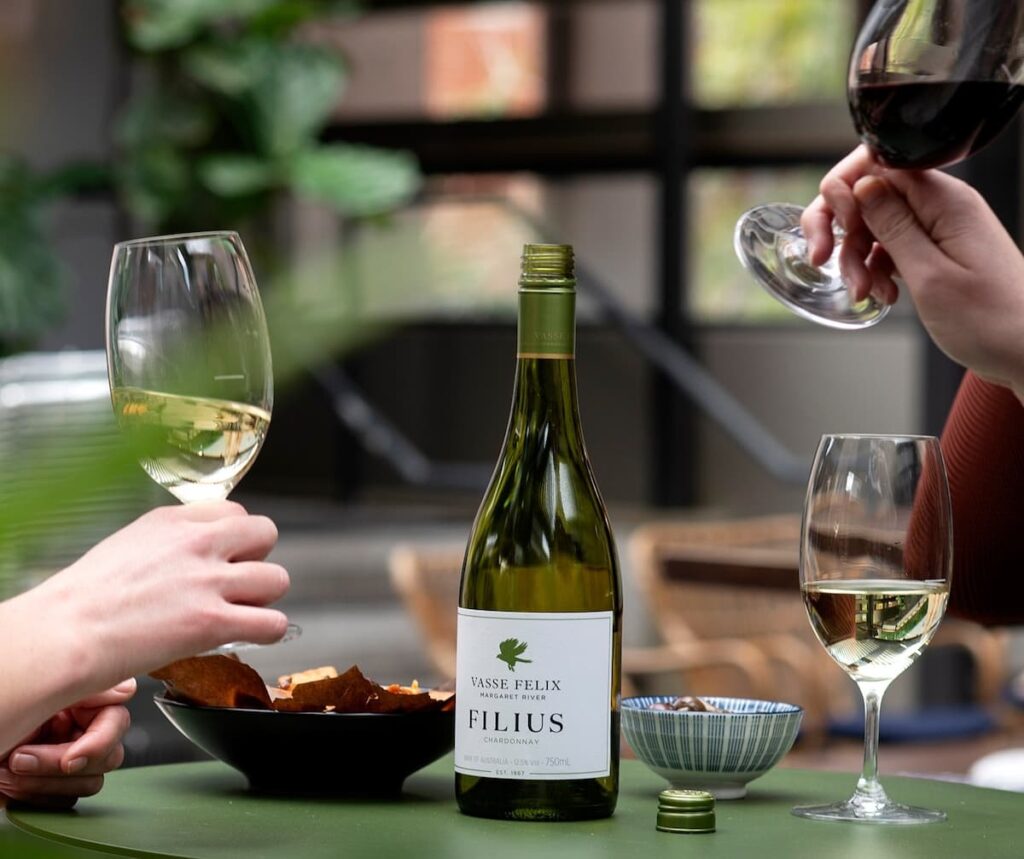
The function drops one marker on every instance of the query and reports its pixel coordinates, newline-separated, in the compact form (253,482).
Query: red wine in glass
(915,125)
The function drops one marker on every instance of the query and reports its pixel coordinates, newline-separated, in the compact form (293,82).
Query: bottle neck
(544,400)
(544,403)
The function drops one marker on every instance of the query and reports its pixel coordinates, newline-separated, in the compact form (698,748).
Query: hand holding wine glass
(929,85)
(176,581)
(188,357)
(937,235)
(876,552)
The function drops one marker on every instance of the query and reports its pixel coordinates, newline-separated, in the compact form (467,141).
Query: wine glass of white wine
(188,359)
(876,553)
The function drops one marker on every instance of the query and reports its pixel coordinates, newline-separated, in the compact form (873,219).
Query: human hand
(178,581)
(66,757)
(964,273)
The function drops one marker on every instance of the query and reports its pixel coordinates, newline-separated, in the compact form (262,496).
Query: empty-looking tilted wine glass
(876,552)
(188,359)
(931,82)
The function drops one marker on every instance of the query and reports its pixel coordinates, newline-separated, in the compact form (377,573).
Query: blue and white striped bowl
(716,752)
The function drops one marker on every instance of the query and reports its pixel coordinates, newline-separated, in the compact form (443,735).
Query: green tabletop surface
(204,810)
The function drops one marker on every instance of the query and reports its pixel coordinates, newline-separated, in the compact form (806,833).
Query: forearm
(46,662)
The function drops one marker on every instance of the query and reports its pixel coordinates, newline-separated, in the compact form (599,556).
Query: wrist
(46,666)
(65,639)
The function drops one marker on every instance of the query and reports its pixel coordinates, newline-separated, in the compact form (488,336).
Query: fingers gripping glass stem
(770,244)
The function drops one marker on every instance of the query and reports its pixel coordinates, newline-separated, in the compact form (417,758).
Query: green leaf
(31,278)
(285,92)
(159,25)
(154,182)
(231,175)
(162,118)
(355,180)
(73,178)
(284,16)
(228,68)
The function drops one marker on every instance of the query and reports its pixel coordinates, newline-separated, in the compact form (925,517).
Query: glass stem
(869,791)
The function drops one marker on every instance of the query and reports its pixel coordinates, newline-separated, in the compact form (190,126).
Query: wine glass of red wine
(931,82)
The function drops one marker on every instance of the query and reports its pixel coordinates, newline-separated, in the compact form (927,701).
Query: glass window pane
(453,254)
(719,288)
(613,61)
(485,60)
(610,220)
(758,52)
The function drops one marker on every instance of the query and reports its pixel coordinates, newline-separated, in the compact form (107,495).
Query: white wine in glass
(893,621)
(876,553)
(196,448)
(188,359)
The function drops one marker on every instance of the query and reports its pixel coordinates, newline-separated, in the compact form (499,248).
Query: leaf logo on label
(510,652)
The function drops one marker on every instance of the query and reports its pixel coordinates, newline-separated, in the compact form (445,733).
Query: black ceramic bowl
(353,754)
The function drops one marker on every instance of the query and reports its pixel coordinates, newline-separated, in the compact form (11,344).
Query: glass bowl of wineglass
(876,552)
(930,83)
(188,360)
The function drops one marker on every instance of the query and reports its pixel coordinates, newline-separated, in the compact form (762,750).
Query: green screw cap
(686,811)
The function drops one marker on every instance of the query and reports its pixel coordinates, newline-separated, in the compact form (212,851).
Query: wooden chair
(426,577)
(738,581)
(427,580)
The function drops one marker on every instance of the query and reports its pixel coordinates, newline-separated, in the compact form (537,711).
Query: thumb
(896,227)
(120,693)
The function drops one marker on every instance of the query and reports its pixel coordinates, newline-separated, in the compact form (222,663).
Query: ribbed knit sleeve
(983,445)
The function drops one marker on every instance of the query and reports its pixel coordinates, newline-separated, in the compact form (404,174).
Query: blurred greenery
(228,103)
(31,280)
(225,117)
(315,308)
(232,114)
(758,52)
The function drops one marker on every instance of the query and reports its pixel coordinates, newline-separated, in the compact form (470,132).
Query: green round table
(203,810)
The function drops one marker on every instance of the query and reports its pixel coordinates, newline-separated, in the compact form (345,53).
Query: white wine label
(533,694)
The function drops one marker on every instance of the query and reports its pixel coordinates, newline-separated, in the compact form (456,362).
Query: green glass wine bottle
(540,605)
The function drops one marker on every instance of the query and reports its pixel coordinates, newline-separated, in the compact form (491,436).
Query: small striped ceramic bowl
(716,752)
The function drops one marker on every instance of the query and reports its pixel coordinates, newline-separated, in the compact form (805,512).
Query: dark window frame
(668,141)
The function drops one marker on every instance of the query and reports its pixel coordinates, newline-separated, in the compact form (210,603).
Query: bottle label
(534,694)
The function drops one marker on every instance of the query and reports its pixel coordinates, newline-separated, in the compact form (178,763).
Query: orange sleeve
(983,445)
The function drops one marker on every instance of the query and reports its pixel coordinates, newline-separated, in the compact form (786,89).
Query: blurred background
(384,160)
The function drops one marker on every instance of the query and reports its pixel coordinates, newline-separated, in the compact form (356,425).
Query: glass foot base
(885,813)
(293,632)
(770,244)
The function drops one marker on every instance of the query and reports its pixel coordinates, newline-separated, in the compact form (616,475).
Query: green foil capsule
(686,811)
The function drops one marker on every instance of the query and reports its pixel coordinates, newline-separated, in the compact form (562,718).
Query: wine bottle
(540,603)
